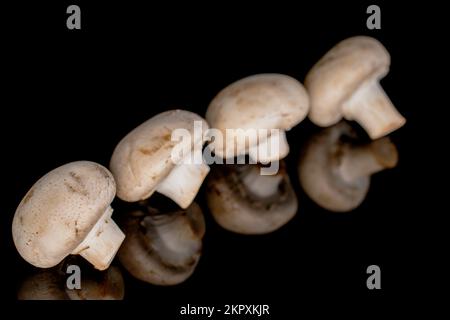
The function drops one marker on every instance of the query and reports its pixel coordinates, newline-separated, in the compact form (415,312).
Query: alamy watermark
(374,280)
(73,281)
(374,20)
(74,19)
(261,145)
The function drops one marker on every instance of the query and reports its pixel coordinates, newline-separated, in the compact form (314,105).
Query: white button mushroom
(142,162)
(263,101)
(335,172)
(244,201)
(163,248)
(345,83)
(68,212)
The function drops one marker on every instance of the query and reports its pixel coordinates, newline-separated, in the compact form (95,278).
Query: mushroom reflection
(335,171)
(244,201)
(162,247)
(50,284)
(47,284)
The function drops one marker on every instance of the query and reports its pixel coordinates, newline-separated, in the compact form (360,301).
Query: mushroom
(259,102)
(335,171)
(50,284)
(163,248)
(345,83)
(68,211)
(244,201)
(143,162)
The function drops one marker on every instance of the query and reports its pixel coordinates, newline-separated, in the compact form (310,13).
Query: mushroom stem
(373,110)
(183,182)
(273,148)
(360,161)
(261,185)
(102,242)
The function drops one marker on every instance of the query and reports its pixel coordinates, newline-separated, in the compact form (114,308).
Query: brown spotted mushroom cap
(143,159)
(345,83)
(59,212)
(262,101)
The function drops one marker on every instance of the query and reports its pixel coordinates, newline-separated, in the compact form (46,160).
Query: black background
(72,95)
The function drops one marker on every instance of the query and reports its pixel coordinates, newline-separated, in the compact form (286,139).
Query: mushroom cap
(59,210)
(151,250)
(262,101)
(318,177)
(338,74)
(236,209)
(142,159)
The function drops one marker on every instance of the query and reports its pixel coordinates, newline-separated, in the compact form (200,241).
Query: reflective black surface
(74,96)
